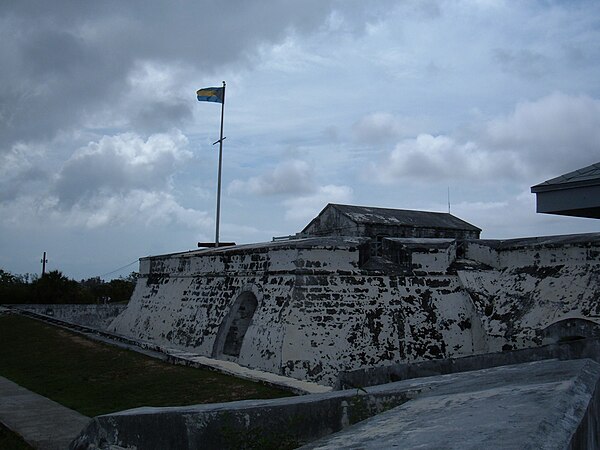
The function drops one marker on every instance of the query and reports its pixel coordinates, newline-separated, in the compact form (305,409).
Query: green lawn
(12,441)
(95,378)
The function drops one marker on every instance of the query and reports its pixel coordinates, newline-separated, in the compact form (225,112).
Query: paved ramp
(43,423)
(541,405)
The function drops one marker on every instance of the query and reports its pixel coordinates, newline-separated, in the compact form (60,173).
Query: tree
(54,287)
(13,288)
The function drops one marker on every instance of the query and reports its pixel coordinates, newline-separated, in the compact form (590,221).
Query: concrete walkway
(43,423)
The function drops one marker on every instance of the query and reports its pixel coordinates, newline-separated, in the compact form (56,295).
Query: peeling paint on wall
(320,309)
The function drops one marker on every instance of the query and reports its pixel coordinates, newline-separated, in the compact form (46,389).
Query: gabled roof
(586,176)
(399,217)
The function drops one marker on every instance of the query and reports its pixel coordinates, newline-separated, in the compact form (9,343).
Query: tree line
(55,287)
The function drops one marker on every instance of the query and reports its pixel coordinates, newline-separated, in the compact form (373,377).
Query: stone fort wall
(320,311)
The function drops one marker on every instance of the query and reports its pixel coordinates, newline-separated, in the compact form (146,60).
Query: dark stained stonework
(331,303)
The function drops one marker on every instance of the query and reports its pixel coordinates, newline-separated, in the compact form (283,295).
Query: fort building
(364,287)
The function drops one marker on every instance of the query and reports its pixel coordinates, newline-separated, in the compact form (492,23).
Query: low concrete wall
(584,348)
(545,404)
(587,435)
(93,316)
(279,423)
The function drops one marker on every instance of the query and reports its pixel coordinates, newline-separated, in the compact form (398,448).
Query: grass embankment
(95,378)
(12,441)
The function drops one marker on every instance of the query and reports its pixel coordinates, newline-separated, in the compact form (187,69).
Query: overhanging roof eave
(543,187)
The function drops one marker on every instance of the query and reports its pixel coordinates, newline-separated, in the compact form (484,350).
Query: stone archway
(235,325)
(570,329)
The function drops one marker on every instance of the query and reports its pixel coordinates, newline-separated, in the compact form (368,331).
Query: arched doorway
(235,325)
(571,329)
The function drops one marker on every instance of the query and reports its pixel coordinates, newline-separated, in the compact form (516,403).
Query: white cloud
(118,164)
(515,217)
(379,127)
(427,158)
(289,177)
(135,208)
(550,132)
(306,207)
(540,138)
(117,180)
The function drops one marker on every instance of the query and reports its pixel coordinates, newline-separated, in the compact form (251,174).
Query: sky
(106,156)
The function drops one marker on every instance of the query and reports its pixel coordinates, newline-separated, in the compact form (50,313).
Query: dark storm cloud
(54,77)
(161,114)
(51,53)
(23,180)
(67,61)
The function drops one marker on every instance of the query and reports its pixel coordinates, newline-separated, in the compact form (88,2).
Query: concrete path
(43,423)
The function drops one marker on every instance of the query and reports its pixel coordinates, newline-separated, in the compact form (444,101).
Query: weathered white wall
(181,300)
(533,287)
(346,322)
(484,254)
(435,260)
(319,312)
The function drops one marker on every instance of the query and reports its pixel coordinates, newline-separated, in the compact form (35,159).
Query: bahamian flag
(210,94)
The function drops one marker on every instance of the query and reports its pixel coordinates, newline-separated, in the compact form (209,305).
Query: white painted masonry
(324,306)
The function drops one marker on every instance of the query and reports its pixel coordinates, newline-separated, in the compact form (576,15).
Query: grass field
(11,441)
(95,378)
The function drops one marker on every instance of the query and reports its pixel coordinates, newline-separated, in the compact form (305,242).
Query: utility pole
(44,261)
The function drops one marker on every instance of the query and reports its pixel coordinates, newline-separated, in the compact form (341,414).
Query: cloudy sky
(107,156)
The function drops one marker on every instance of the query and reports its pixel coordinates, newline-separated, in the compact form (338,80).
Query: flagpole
(220,167)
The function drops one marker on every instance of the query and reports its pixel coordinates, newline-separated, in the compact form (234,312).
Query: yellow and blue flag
(210,94)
